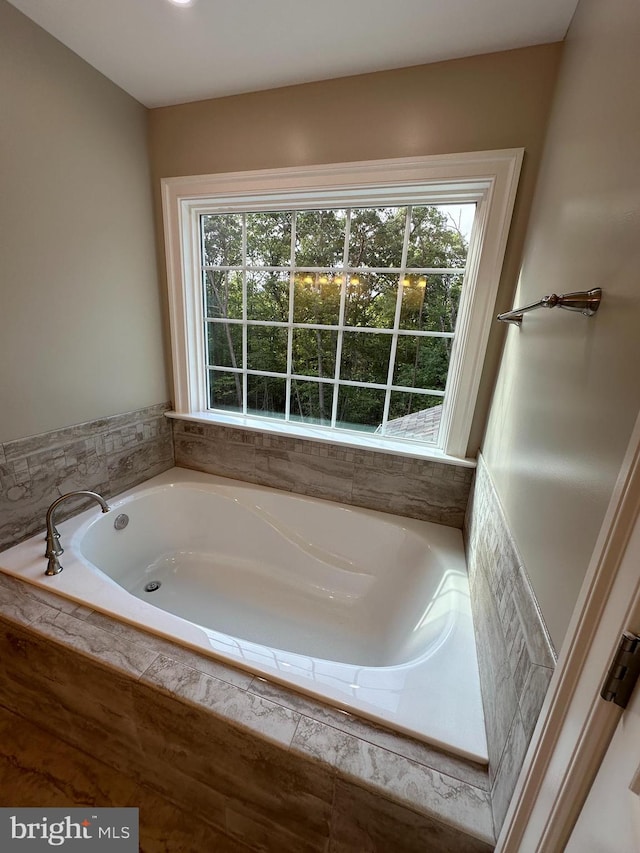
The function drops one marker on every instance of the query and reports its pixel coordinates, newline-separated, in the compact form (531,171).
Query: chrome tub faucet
(54,548)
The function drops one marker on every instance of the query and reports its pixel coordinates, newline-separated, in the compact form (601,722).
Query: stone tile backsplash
(112,454)
(515,654)
(107,455)
(418,488)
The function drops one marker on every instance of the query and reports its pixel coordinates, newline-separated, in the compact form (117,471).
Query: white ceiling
(162,54)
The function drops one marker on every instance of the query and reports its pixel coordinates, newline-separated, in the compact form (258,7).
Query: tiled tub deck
(264,767)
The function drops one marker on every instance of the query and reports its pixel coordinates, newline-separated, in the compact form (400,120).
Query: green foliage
(318,281)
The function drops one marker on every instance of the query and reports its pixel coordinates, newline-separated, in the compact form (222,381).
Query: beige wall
(569,387)
(80,319)
(500,100)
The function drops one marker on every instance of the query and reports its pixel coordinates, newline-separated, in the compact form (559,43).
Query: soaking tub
(368,611)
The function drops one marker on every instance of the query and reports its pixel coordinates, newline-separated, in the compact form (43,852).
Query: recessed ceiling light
(182,2)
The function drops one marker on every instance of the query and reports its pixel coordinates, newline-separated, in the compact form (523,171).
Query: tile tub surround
(417,488)
(38,770)
(270,769)
(107,456)
(516,658)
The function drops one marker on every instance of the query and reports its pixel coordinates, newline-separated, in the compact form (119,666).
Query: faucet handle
(54,548)
(53,566)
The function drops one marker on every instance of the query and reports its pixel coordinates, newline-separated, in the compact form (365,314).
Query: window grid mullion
(353,383)
(343,299)
(367,330)
(338,270)
(396,320)
(245,343)
(292,272)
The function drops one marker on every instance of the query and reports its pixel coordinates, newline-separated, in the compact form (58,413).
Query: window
(347,302)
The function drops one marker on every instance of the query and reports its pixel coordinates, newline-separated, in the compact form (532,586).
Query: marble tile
(17,606)
(415,750)
(38,593)
(316,476)
(413,785)
(168,648)
(264,835)
(34,703)
(515,653)
(226,458)
(26,496)
(533,695)
(148,413)
(259,716)
(33,763)
(280,787)
(215,432)
(513,633)
(521,672)
(82,612)
(95,642)
(164,828)
(135,465)
(398,492)
(508,773)
(37,469)
(84,691)
(366,823)
(37,769)
(45,442)
(539,646)
(195,796)
(496,679)
(106,733)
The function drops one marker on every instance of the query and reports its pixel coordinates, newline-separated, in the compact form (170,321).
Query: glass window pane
(414,416)
(223,293)
(430,302)
(269,238)
(267,348)
(365,357)
(266,396)
(439,235)
(371,300)
(268,296)
(314,352)
(377,236)
(224,344)
(225,390)
(222,239)
(320,238)
(360,408)
(422,362)
(317,298)
(311,402)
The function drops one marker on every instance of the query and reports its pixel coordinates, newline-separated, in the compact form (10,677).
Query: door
(610,818)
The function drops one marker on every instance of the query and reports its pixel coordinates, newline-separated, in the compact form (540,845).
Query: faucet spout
(54,548)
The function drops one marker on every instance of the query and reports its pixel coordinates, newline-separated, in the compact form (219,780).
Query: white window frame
(488,178)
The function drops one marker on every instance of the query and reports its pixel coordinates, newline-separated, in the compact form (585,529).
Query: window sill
(365,441)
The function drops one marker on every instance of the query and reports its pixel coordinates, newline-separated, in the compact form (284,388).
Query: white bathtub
(366,610)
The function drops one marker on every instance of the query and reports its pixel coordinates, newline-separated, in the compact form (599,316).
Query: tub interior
(336,583)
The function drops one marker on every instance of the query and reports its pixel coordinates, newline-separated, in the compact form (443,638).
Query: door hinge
(624,671)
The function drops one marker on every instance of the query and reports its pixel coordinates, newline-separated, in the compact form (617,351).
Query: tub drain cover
(152,586)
